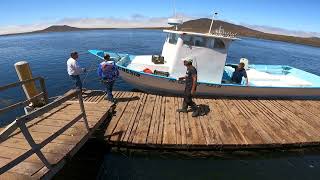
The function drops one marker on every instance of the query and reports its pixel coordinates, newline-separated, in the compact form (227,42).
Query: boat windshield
(213,43)
(172,38)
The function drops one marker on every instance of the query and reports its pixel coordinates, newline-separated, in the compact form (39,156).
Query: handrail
(19,83)
(26,118)
(36,148)
(43,93)
(22,103)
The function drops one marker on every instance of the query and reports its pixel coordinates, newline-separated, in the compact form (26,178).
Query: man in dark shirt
(190,89)
(239,73)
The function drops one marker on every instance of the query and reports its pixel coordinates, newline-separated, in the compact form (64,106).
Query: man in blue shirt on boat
(190,89)
(108,73)
(239,73)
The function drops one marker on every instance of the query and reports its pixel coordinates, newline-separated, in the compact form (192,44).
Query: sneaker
(182,110)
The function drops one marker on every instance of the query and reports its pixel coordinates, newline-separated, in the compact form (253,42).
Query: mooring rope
(88,71)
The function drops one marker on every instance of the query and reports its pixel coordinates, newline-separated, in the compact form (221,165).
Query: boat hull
(162,85)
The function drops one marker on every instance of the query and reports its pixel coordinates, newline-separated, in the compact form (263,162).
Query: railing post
(83,110)
(44,90)
(33,144)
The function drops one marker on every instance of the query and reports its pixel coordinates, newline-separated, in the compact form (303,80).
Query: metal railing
(21,122)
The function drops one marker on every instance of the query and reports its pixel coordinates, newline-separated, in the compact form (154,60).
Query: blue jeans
(77,81)
(109,88)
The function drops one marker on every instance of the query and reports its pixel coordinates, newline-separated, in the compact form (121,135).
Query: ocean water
(47,54)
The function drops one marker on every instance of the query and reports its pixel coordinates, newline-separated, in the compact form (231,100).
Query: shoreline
(295,40)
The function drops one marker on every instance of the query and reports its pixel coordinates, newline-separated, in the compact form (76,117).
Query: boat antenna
(215,14)
(174,8)
(175,21)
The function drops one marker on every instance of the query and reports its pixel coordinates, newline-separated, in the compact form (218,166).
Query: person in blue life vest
(239,73)
(108,73)
(190,89)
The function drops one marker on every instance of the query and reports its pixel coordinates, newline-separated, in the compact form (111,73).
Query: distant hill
(63,28)
(202,25)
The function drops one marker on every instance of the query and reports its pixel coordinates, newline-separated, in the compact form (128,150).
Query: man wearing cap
(108,73)
(190,89)
(74,70)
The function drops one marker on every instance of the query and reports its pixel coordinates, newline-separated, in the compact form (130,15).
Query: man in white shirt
(74,70)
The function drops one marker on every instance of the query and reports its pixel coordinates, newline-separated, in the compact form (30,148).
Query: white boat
(209,52)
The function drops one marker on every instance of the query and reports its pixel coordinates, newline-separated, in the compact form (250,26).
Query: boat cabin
(208,52)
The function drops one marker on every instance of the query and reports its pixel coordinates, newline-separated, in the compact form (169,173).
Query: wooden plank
(247,130)
(199,131)
(177,122)
(312,108)
(52,147)
(121,127)
(284,118)
(15,176)
(169,132)
(201,124)
(135,115)
(183,122)
(222,127)
(297,126)
(259,122)
(145,121)
(137,118)
(121,106)
(161,121)
(213,123)
(155,120)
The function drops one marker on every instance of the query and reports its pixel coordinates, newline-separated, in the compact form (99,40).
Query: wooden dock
(58,130)
(151,121)
(39,144)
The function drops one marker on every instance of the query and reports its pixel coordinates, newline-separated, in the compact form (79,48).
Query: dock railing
(21,122)
(43,94)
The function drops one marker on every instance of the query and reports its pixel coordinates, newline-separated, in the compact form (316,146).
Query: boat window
(194,41)
(219,44)
(199,41)
(172,38)
(188,40)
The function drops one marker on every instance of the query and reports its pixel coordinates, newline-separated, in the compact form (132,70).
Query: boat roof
(215,35)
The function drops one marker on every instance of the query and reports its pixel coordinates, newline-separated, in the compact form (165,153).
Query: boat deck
(151,121)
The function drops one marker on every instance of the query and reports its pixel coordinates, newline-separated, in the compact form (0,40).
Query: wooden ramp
(151,121)
(50,136)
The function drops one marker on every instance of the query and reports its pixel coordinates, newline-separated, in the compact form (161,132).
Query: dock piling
(24,73)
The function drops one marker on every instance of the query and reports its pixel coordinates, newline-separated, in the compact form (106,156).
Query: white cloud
(135,21)
(275,30)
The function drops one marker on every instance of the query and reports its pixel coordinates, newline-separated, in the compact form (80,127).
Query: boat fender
(148,71)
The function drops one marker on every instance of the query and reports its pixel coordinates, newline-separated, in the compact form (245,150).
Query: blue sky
(297,15)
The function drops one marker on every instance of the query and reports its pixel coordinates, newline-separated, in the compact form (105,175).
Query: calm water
(47,55)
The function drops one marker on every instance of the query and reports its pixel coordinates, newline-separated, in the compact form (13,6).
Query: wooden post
(24,73)
(44,90)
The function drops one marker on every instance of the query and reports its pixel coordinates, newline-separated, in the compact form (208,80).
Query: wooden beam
(18,83)
(22,103)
